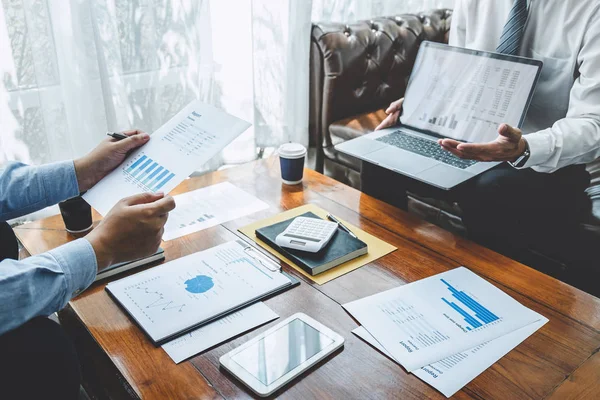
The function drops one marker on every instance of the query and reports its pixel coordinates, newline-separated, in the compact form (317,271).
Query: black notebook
(341,248)
(128,265)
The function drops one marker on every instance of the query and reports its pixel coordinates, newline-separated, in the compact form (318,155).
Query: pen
(116,135)
(342,226)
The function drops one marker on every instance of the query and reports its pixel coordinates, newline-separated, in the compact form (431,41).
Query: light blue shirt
(42,284)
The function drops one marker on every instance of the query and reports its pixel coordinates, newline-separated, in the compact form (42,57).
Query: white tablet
(278,355)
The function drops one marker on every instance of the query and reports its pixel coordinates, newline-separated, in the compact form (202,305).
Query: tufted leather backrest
(363,66)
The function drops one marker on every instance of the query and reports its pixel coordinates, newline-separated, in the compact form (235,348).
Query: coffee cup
(76,214)
(291,160)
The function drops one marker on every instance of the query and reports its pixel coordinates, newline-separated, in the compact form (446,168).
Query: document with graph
(209,206)
(437,317)
(175,150)
(451,374)
(182,295)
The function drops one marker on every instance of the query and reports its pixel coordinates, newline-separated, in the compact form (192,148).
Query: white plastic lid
(292,150)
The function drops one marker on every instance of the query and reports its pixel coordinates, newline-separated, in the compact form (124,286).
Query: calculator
(308,234)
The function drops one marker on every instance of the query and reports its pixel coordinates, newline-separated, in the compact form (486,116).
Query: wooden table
(559,361)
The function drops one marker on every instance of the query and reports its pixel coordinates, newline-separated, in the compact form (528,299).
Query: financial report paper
(179,294)
(466,96)
(450,374)
(434,318)
(175,150)
(219,331)
(208,207)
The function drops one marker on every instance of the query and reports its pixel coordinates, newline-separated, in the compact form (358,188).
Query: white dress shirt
(562,126)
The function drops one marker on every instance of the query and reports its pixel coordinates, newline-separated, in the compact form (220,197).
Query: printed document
(452,373)
(175,150)
(179,294)
(434,318)
(210,206)
(219,331)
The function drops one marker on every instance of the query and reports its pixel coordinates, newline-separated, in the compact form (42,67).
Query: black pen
(116,135)
(342,226)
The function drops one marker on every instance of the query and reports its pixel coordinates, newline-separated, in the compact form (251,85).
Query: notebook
(341,248)
(181,295)
(126,266)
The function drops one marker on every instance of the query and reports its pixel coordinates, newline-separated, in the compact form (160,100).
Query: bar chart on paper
(179,147)
(147,174)
(476,316)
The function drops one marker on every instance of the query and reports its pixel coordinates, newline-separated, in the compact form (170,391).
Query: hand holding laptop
(508,146)
(456,117)
(393,112)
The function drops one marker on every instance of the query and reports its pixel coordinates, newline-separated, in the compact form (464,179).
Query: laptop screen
(466,94)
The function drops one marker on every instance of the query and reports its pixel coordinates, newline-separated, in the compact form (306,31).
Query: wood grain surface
(558,361)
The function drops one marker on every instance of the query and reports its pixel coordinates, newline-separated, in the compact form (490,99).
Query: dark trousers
(507,209)
(37,359)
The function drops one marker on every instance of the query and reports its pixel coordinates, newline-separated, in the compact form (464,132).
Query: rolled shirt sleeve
(25,189)
(43,284)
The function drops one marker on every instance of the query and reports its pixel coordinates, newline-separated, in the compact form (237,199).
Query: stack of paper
(446,329)
(219,331)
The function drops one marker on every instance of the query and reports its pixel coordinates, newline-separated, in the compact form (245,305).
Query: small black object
(77,214)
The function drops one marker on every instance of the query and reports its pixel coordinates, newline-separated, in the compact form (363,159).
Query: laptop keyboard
(424,147)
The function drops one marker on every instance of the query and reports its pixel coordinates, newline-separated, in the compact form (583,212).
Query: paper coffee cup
(291,159)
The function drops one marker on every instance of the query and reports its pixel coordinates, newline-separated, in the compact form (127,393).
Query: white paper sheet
(219,331)
(434,318)
(173,296)
(210,206)
(176,149)
(453,373)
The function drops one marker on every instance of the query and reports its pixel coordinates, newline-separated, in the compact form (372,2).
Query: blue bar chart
(147,172)
(479,315)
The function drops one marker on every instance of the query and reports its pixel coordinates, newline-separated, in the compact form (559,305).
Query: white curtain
(72,69)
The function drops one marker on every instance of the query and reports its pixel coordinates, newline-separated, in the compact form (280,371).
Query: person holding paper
(37,360)
(537,199)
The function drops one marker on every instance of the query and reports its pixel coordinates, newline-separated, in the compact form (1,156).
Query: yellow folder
(377,247)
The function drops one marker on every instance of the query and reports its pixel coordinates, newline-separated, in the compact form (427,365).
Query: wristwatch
(522,160)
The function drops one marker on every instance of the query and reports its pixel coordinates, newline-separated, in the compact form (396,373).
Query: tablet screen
(281,351)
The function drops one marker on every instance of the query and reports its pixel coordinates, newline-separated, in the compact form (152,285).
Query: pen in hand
(342,226)
(116,135)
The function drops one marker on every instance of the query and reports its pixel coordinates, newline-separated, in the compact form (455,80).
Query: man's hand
(105,157)
(132,229)
(393,112)
(509,146)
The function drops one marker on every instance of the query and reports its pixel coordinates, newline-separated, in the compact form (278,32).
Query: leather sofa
(356,70)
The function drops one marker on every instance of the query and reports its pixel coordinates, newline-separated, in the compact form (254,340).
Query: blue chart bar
(482,313)
(469,319)
(141,167)
(147,171)
(167,179)
(135,164)
(152,175)
(158,178)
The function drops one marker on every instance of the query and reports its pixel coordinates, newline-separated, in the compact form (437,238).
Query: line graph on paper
(154,303)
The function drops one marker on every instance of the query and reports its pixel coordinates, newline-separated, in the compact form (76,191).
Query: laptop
(453,93)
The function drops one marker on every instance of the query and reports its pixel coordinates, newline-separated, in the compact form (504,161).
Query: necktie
(512,34)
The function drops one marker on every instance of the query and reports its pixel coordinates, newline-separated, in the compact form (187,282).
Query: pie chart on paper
(199,284)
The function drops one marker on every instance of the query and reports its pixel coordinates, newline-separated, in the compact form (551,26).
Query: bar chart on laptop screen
(471,311)
(147,174)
